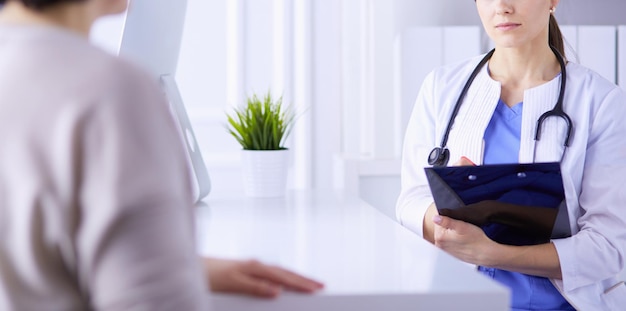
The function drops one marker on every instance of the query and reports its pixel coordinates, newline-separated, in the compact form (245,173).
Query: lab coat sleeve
(597,252)
(419,140)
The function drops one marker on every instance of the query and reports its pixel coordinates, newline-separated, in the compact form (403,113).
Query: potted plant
(261,127)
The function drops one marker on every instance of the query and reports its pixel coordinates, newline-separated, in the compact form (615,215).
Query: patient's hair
(39,4)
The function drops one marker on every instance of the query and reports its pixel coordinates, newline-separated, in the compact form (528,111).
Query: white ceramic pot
(265,172)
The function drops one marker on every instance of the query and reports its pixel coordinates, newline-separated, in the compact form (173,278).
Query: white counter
(366,260)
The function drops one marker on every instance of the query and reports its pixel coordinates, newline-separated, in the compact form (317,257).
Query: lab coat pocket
(615,297)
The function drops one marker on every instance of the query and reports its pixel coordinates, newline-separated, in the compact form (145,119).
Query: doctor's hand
(463,240)
(254,278)
(427,224)
(464,161)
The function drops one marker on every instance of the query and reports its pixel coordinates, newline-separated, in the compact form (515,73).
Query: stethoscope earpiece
(439,156)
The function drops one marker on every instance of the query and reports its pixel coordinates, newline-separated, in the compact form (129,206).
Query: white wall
(234,48)
(107,32)
(326,96)
(341,63)
(410,13)
(596,12)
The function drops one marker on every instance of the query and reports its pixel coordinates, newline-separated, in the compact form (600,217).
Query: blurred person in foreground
(95,199)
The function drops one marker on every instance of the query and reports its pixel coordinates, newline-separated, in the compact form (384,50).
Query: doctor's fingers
(444,233)
(464,161)
(449,231)
(462,249)
(459,226)
(448,240)
(447,222)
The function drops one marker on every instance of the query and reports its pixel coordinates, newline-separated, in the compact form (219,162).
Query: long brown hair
(39,4)
(555,37)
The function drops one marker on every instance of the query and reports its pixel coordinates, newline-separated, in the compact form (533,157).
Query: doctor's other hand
(254,278)
(464,161)
(463,240)
(428,226)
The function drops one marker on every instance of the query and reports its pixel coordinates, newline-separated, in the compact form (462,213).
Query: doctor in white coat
(496,123)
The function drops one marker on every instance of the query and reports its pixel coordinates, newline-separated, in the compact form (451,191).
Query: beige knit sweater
(95,208)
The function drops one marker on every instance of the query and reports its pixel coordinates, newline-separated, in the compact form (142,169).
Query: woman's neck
(519,69)
(524,67)
(71,16)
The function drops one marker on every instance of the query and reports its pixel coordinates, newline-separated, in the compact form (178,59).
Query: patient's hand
(254,278)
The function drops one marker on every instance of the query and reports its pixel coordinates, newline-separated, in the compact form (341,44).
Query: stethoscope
(440,156)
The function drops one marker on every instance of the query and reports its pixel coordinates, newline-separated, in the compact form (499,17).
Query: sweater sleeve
(598,251)
(419,140)
(134,239)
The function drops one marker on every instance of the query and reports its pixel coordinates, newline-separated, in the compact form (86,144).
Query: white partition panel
(460,42)
(352,33)
(621,57)
(107,32)
(259,66)
(597,48)
(418,51)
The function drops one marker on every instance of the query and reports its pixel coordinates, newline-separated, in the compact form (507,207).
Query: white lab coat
(593,166)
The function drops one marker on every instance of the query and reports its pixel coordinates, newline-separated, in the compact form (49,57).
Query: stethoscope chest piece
(439,156)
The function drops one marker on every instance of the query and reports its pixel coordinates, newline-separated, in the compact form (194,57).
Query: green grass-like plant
(262,124)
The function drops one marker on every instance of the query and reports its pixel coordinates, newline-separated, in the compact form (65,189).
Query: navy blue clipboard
(515,204)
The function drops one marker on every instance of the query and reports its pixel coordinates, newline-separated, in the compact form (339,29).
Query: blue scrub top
(502,143)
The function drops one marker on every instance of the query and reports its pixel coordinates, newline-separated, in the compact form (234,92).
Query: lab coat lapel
(466,136)
(537,101)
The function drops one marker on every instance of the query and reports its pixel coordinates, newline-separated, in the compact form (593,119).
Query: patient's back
(95,204)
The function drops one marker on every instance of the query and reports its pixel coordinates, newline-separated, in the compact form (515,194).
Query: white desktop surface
(366,260)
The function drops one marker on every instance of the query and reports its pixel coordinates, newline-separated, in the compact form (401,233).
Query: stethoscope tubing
(439,156)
